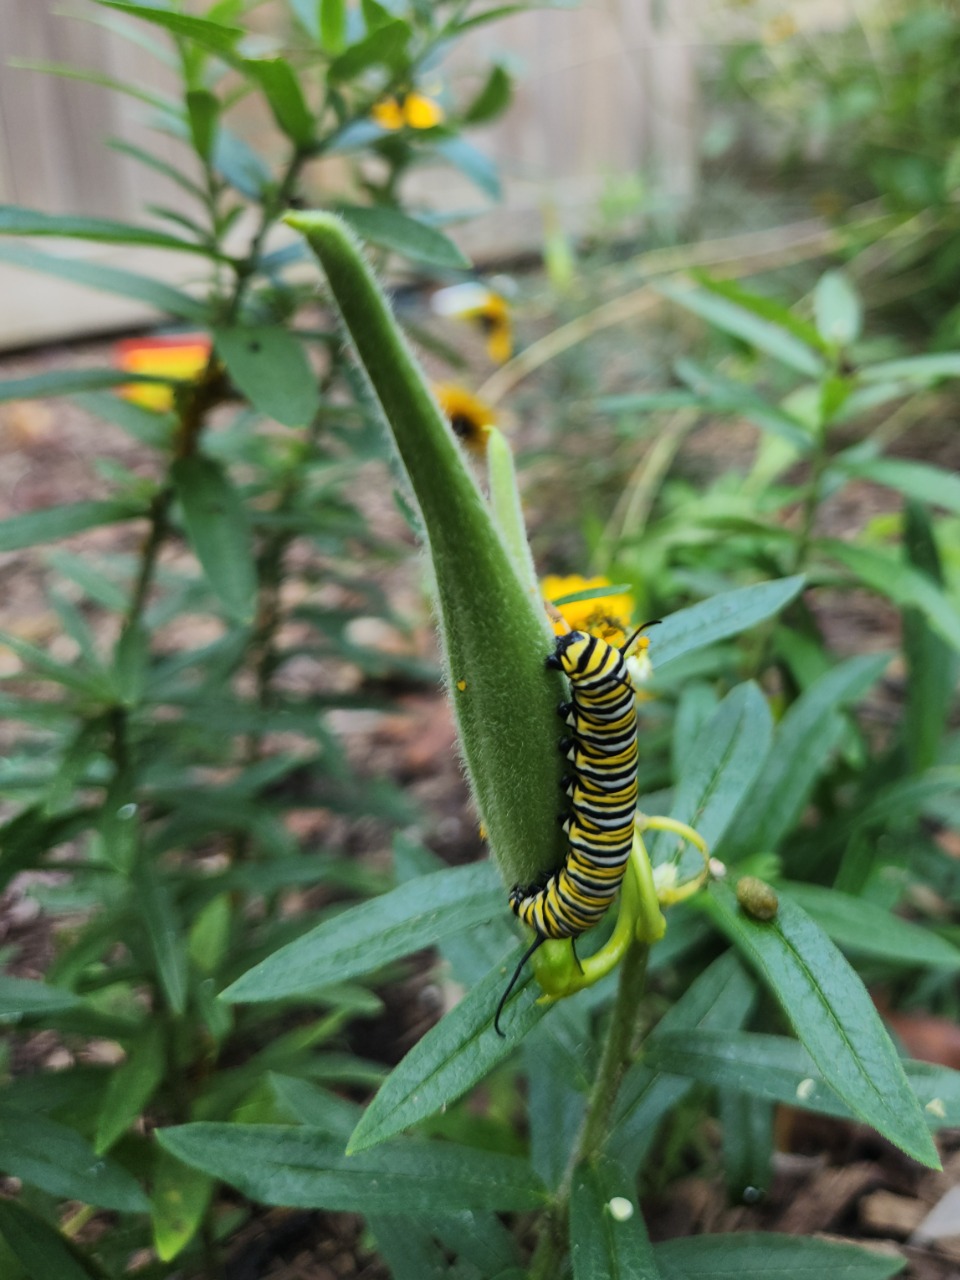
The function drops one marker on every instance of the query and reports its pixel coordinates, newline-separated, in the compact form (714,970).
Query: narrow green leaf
(803,745)
(493,98)
(87,75)
(52,523)
(269,366)
(772,1257)
(931,664)
(151,428)
(558,1073)
(49,715)
(131,1086)
(863,927)
(91,684)
(209,936)
(723,615)
(333,25)
(832,1015)
(731,751)
(18,221)
(747,1123)
(408,1248)
(391,229)
(366,937)
(158,164)
(131,658)
(837,309)
(64,382)
(472,162)
(240,165)
(495,14)
(748,326)
(25,997)
(307,1103)
(919,480)
(900,801)
(155,904)
(479,1240)
(608,1238)
(899,582)
(922,369)
(386,45)
(203,114)
(697,704)
(779,1070)
(593,593)
(647,402)
(456,1053)
(215,36)
(41,1249)
(178,1204)
(720,998)
(98,275)
(285,97)
(299,1168)
(762,305)
(56,1159)
(216,523)
(374,14)
(715,391)
(25,838)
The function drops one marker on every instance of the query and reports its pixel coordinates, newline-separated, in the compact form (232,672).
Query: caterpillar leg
(538,941)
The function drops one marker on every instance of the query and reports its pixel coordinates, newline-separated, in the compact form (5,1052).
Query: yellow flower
(605,616)
(180,357)
(779,29)
(470,418)
(415,110)
(491,311)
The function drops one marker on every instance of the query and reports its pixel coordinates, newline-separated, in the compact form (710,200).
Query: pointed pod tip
(310,221)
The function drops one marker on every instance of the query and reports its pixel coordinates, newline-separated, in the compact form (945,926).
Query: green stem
(811,505)
(159,512)
(617,1053)
(616,1057)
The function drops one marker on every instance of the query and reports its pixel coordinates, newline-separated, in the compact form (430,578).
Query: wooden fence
(606,90)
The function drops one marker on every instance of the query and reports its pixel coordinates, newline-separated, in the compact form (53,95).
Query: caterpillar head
(568,649)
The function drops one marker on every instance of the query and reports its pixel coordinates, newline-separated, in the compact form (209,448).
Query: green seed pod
(757,899)
(494,630)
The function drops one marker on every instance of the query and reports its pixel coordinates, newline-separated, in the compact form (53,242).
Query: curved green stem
(616,1057)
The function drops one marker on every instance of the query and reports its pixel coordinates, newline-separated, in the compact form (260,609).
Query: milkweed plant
(594,1066)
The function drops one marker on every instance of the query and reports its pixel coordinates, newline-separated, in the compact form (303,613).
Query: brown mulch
(292,1244)
(836,1181)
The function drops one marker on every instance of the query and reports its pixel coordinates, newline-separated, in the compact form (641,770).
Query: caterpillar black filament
(602,792)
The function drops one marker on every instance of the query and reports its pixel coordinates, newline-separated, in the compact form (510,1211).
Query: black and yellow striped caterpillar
(603,795)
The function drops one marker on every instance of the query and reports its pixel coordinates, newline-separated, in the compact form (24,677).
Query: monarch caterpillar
(602,793)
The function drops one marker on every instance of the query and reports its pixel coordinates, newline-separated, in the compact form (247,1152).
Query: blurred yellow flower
(413,110)
(490,310)
(779,29)
(181,357)
(605,616)
(470,418)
